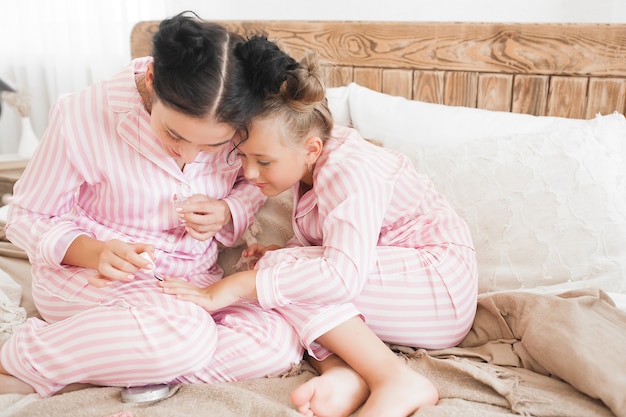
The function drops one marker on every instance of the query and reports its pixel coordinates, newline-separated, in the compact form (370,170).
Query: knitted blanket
(527,354)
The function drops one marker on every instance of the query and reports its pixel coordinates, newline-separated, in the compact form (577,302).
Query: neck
(140,80)
(303,188)
(308,176)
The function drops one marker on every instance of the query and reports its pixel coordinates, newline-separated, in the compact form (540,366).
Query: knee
(177,344)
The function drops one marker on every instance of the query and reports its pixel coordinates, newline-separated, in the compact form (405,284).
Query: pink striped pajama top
(373,237)
(100,171)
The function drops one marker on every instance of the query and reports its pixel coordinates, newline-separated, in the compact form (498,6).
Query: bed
(521,126)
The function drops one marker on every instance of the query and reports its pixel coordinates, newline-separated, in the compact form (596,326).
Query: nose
(249,171)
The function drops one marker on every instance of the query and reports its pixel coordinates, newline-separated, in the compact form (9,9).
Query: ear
(150,78)
(314,146)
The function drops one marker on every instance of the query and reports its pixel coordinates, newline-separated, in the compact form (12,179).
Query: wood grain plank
(567,97)
(451,63)
(141,38)
(336,76)
(460,88)
(371,78)
(428,86)
(398,82)
(495,91)
(530,94)
(606,96)
(558,48)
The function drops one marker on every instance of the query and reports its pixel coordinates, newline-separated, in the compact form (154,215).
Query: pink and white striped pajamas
(100,171)
(372,238)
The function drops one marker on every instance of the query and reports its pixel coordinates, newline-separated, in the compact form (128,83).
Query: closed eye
(172,136)
(258,161)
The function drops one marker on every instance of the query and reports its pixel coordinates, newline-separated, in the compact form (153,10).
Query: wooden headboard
(569,70)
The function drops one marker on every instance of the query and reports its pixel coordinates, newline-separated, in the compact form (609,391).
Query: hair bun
(266,65)
(184,43)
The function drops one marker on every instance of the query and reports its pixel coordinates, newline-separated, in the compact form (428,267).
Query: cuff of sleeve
(229,234)
(267,291)
(327,319)
(54,246)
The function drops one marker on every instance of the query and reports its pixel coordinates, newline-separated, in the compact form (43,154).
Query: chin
(270,191)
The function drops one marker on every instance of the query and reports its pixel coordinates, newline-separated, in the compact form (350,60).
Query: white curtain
(52,47)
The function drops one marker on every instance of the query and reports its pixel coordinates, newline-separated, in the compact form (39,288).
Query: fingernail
(145,256)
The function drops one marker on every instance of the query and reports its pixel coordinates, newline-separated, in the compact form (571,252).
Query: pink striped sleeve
(244,201)
(44,192)
(352,194)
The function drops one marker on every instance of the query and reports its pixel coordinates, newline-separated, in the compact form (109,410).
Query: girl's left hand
(223,293)
(203,216)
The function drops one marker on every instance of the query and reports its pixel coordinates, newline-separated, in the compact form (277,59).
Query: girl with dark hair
(378,254)
(132,182)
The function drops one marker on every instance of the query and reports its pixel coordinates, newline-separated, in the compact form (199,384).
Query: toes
(305,410)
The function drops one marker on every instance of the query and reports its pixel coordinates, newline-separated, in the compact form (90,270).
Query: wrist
(84,251)
(227,214)
(247,285)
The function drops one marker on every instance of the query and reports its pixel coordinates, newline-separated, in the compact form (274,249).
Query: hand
(223,293)
(203,216)
(118,261)
(256,251)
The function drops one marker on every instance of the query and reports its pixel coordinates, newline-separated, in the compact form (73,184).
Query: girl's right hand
(256,251)
(119,261)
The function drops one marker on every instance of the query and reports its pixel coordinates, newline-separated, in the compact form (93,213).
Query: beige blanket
(527,354)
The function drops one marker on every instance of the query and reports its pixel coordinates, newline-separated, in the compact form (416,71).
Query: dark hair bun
(266,66)
(182,43)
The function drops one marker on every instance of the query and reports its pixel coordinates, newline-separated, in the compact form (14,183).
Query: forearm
(307,275)
(229,290)
(84,251)
(242,283)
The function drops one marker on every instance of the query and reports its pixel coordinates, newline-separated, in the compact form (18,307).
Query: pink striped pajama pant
(131,334)
(424,298)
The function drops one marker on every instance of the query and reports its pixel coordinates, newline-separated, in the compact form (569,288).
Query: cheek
(156,131)
(284,176)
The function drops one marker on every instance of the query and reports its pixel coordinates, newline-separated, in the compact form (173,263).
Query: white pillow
(394,120)
(544,209)
(338,105)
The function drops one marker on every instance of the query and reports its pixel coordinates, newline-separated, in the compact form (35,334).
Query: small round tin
(145,394)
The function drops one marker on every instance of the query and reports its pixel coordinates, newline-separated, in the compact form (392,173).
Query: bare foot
(400,396)
(11,385)
(338,392)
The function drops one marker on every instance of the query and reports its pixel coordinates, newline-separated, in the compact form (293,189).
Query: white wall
(49,47)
